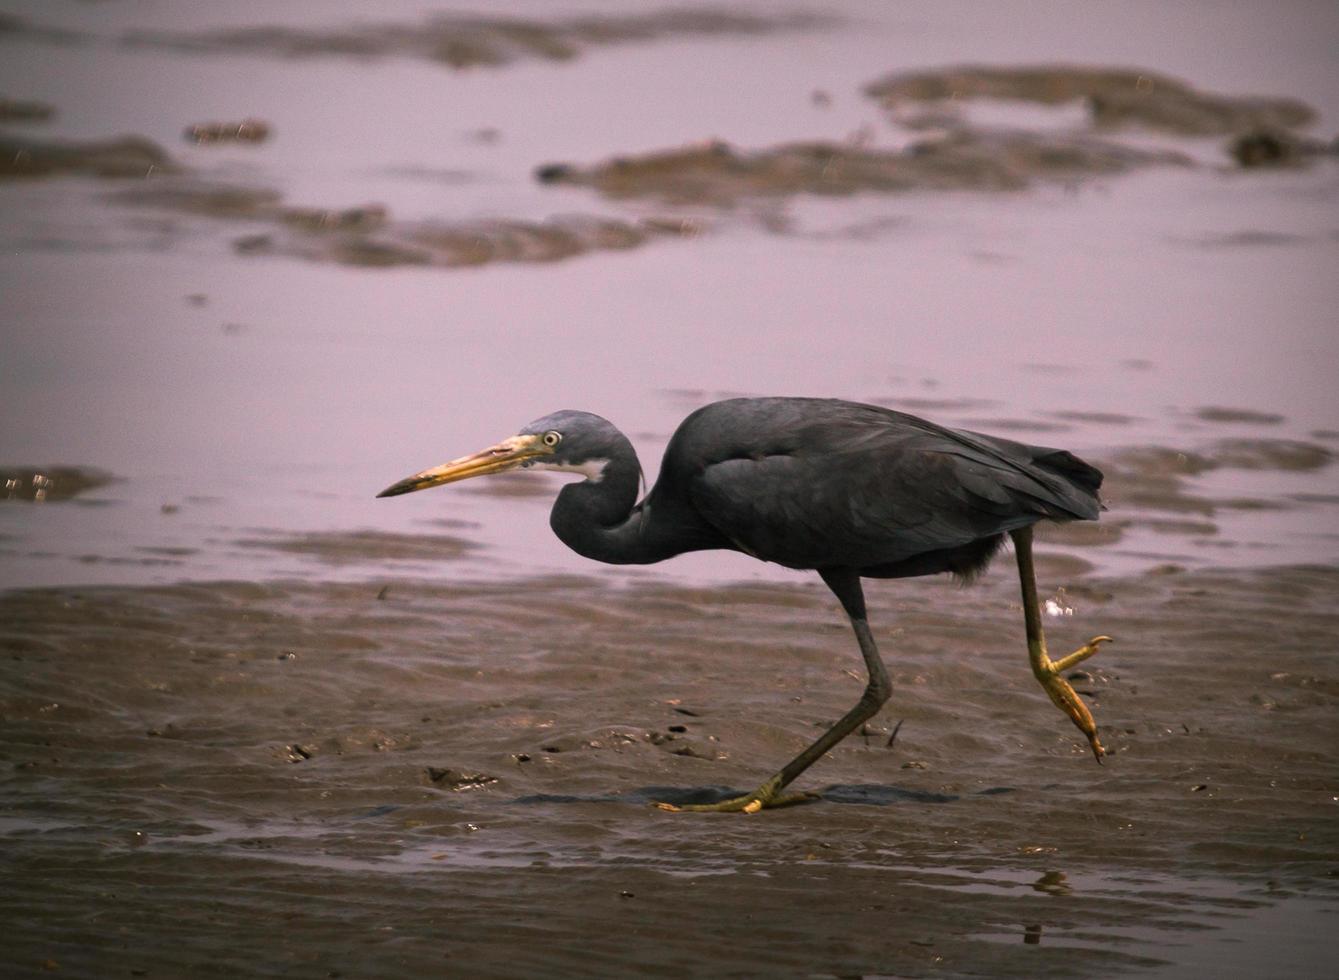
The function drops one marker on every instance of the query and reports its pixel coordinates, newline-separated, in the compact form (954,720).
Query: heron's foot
(1063,695)
(765,797)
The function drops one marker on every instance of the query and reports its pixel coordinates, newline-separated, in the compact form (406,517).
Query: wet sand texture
(1113,96)
(473,41)
(717,174)
(398,779)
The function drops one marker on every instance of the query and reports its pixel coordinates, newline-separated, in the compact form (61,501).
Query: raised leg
(845,584)
(1046,670)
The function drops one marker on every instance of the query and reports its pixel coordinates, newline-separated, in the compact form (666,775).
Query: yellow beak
(506,455)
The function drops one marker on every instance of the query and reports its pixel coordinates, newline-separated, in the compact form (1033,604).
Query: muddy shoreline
(390,777)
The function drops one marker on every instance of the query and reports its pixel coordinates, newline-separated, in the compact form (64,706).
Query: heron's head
(575,442)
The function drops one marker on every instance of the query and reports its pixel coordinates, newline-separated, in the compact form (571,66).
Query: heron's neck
(600,518)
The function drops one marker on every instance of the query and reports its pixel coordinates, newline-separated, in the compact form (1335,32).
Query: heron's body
(815,483)
(847,489)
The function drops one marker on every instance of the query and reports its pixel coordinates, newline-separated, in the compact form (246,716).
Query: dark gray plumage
(847,489)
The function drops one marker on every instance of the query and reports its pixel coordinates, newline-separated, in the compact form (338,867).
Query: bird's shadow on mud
(866,794)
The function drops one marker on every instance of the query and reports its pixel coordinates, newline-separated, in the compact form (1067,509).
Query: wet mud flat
(396,778)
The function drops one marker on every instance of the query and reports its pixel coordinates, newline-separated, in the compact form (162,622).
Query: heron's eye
(552,438)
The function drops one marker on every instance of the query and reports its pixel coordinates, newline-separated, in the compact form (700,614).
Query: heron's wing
(872,495)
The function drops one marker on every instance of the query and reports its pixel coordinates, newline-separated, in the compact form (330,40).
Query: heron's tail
(1084,478)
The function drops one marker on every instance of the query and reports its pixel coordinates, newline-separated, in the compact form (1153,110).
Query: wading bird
(849,490)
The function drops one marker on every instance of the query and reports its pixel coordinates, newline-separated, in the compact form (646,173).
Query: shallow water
(414,736)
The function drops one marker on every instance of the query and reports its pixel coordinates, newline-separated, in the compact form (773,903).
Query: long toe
(759,799)
(1081,654)
(1067,699)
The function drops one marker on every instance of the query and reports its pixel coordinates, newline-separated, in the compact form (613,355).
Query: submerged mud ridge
(717,174)
(128,156)
(13,28)
(368,236)
(1158,478)
(1113,96)
(455,245)
(50,483)
(341,548)
(965,156)
(394,778)
(463,41)
(25,111)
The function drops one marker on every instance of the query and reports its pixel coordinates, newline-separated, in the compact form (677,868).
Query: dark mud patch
(719,175)
(1160,461)
(1114,97)
(464,41)
(190,196)
(166,551)
(1083,534)
(128,156)
(50,484)
(1278,148)
(1245,239)
(1154,478)
(1269,454)
(369,236)
(13,28)
(361,547)
(1096,418)
(23,111)
(1315,498)
(246,131)
(1218,413)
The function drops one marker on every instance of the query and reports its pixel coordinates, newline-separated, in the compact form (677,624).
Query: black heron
(845,489)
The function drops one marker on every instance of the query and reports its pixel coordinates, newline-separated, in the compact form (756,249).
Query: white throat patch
(591,469)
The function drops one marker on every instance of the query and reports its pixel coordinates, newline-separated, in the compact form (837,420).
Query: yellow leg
(767,796)
(1048,671)
(845,584)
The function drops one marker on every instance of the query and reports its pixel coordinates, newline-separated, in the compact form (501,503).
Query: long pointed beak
(506,455)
